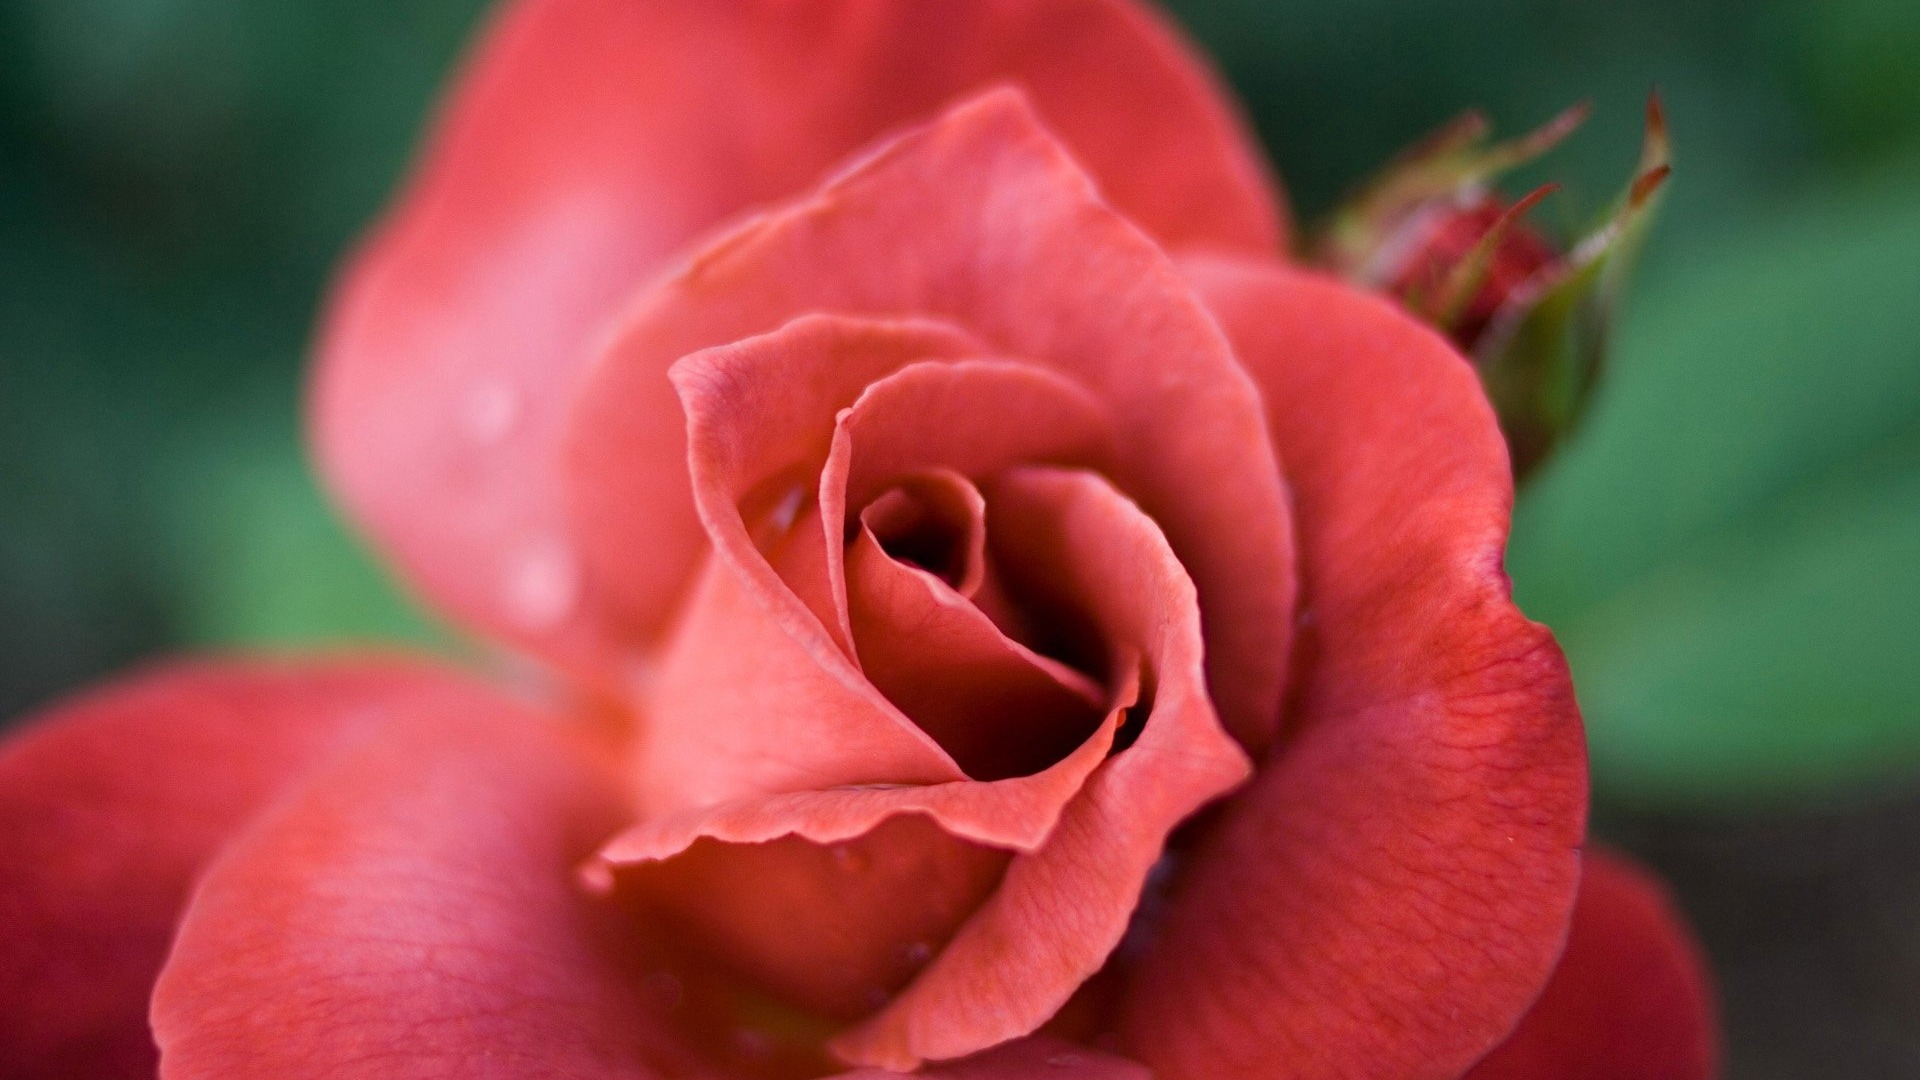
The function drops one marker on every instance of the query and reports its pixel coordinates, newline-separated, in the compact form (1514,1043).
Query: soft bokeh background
(1730,550)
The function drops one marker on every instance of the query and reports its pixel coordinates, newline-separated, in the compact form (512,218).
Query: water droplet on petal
(788,509)
(543,587)
(492,411)
(847,859)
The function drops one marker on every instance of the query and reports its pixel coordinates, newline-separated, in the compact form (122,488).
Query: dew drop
(492,411)
(543,587)
(788,508)
(847,859)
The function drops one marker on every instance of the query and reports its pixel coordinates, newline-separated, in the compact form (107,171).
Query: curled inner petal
(997,706)
(937,522)
(973,417)
(1025,952)
(757,694)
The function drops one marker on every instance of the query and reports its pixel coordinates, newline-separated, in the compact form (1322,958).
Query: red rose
(1007,619)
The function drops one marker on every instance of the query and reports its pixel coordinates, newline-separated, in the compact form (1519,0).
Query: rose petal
(989,701)
(1629,1000)
(1037,1058)
(111,804)
(412,912)
(590,139)
(935,519)
(833,899)
(762,410)
(941,499)
(828,929)
(1392,892)
(974,417)
(1061,910)
(996,706)
(983,220)
(753,697)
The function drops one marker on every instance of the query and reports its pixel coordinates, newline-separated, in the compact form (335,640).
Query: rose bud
(1533,311)
(1465,262)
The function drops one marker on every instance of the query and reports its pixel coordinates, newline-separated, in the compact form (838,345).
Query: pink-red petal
(586,142)
(973,417)
(112,803)
(981,219)
(752,697)
(976,417)
(760,422)
(1630,999)
(942,516)
(1392,892)
(412,912)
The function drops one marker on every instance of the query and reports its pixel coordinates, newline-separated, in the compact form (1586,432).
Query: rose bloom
(988,614)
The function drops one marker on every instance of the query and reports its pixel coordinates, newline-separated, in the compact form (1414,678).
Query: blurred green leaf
(1731,550)
(256,557)
(1854,62)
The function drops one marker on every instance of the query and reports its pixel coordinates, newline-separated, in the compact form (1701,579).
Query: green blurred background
(1730,549)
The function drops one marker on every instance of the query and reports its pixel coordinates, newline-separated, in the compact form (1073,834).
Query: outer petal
(413,913)
(1393,891)
(980,219)
(1630,999)
(111,805)
(590,139)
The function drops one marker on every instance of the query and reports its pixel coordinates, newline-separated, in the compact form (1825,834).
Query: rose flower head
(982,612)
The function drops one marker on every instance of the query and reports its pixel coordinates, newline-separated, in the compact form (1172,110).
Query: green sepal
(1545,349)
